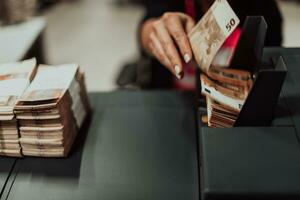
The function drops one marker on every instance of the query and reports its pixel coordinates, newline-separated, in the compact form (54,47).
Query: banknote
(10,90)
(58,152)
(220,88)
(15,77)
(40,129)
(52,110)
(50,82)
(211,31)
(40,122)
(9,136)
(42,117)
(25,69)
(232,99)
(234,77)
(11,152)
(9,144)
(220,115)
(41,134)
(39,142)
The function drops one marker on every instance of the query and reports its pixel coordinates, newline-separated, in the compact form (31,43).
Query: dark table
(138,145)
(6,166)
(244,163)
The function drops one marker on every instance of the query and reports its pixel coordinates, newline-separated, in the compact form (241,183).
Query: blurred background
(100,35)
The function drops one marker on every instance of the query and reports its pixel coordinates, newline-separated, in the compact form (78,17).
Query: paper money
(220,115)
(25,69)
(11,152)
(230,98)
(46,134)
(50,82)
(225,95)
(10,91)
(14,79)
(42,117)
(240,78)
(211,32)
(9,144)
(52,110)
(226,89)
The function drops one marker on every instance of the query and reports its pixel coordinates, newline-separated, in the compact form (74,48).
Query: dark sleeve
(156,8)
(267,8)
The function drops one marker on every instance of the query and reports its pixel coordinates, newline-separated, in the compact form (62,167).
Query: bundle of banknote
(14,79)
(13,11)
(52,110)
(225,89)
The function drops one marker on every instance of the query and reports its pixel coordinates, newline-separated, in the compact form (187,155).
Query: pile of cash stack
(225,89)
(14,11)
(14,79)
(49,111)
(226,92)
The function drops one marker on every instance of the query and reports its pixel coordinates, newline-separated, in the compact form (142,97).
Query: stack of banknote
(14,79)
(226,89)
(13,11)
(52,110)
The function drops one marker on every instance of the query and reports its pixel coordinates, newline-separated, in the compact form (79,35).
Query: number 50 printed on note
(211,32)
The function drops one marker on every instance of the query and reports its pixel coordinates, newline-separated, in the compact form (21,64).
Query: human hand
(163,37)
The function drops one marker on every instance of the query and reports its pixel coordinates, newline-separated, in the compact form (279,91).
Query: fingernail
(178,71)
(187,58)
(178,76)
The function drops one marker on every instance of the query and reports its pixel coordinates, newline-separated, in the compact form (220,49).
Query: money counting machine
(259,158)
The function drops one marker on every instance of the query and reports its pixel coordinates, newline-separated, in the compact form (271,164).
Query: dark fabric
(268,8)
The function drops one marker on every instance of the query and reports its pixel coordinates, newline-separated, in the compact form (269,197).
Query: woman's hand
(166,39)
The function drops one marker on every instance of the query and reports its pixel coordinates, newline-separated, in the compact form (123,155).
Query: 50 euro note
(50,83)
(52,110)
(234,79)
(14,79)
(50,88)
(10,91)
(220,115)
(25,69)
(229,98)
(210,33)
(9,144)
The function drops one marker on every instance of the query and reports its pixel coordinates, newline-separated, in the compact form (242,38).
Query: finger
(160,51)
(161,55)
(175,28)
(168,46)
(189,25)
(188,22)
